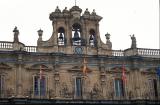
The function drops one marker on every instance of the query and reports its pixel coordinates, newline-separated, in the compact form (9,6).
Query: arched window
(92,38)
(76,34)
(61,36)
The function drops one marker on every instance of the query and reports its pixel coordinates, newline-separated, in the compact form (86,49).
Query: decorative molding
(4,66)
(37,67)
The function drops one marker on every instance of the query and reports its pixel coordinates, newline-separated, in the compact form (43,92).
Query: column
(19,77)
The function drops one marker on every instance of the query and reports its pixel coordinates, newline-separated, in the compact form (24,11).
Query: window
(1,85)
(39,86)
(119,88)
(78,87)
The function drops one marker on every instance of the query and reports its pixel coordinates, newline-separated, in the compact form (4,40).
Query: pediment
(76,67)
(118,69)
(4,66)
(38,67)
(79,69)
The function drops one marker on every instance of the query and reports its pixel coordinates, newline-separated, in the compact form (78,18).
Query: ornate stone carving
(108,42)
(64,92)
(133,45)
(93,13)
(16,33)
(10,92)
(65,10)
(57,10)
(86,12)
(96,92)
(76,8)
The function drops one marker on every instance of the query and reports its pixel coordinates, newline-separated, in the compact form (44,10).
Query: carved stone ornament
(96,92)
(64,90)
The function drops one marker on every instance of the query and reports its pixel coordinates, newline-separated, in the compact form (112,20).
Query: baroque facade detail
(75,64)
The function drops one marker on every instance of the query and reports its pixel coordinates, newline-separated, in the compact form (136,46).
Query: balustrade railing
(117,53)
(30,48)
(148,52)
(6,45)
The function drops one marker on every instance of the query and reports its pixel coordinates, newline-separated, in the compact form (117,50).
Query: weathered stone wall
(61,71)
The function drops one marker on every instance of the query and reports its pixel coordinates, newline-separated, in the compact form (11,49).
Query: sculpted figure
(133,38)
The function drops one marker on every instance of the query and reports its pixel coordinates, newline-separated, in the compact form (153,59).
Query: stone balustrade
(117,53)
(142,51)
(30,48)
(6,45)
(148,52)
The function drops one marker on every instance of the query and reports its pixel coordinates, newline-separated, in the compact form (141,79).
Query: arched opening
(92,38)
(61,36)
(76,34)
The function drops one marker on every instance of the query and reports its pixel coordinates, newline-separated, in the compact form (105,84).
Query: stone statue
(108,42)
(93,13)
(65,10)
(16,33)
(87,12)
(133,45)
(57,10)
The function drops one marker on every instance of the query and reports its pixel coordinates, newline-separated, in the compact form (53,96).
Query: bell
(76,36)
(91,37)
(61,36)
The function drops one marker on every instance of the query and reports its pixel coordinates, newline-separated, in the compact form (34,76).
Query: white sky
(121,18)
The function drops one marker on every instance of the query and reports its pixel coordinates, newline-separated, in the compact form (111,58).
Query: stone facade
(75,64)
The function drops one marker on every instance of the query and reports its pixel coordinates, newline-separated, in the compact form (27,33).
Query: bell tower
(72,28)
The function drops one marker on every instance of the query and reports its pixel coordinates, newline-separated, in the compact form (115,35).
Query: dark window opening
(39,86)
(155,88)
(78,87)
(119,88)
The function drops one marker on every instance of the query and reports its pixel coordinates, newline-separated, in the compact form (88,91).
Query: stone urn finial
(107,36)
(40,32)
